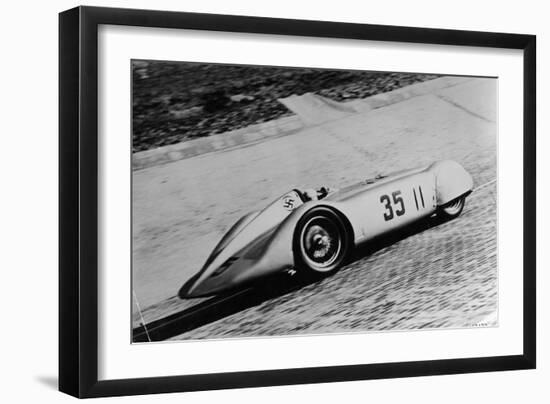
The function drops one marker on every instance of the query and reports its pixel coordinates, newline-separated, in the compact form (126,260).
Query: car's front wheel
(321,242)
(453,208)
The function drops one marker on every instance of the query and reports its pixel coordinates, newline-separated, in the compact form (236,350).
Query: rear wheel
(321,242)
(452,209)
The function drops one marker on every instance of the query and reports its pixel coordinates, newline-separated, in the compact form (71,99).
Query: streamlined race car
(314,231)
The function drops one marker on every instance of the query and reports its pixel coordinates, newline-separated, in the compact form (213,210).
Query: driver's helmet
(310,194)
(322,192)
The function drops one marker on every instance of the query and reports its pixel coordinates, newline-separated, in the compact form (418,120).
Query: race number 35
(394,206)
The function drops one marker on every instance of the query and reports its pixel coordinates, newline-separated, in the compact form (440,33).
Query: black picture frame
(78,200)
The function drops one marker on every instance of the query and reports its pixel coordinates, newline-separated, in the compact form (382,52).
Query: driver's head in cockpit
(311,194)
(322,192)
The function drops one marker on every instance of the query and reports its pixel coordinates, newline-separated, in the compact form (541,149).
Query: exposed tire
(321,242)
(453,208)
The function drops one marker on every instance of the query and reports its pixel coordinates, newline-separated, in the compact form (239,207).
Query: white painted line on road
(485,185)
(141,316)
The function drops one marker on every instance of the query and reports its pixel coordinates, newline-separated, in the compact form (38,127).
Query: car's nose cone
(186,291)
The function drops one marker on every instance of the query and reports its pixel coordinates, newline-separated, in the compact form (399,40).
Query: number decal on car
(397,200)
(416,199)
(388,215)
(398,203)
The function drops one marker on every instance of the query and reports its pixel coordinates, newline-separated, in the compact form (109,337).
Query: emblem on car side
(288,203)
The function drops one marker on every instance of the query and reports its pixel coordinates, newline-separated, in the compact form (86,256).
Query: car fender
(276,251)
(451,181)
(235,229)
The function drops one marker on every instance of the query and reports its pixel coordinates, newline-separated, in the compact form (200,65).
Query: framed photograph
(251,201)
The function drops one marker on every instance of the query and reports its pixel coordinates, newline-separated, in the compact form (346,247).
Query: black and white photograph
(285,201)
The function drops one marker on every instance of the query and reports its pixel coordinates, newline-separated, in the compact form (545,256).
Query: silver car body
(261,243)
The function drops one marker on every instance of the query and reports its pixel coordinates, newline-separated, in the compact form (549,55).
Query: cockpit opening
(311,194)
